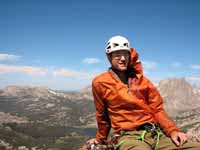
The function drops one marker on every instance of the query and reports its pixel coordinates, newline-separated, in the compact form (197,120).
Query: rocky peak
(179,94)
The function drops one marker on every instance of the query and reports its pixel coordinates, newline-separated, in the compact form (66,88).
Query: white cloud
(25,69)
(4,68)
(195,67)
(91,61)
(8,57)
(74,74)
(193,78)
(149,64)
(64,73)
(176,64)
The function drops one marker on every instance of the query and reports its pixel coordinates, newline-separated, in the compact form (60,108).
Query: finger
(175,140)
(96,142)
(183,139)
(180,139)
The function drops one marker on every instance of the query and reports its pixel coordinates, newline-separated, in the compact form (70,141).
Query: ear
(109,56)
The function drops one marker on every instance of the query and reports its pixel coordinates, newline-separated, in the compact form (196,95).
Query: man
(128,102)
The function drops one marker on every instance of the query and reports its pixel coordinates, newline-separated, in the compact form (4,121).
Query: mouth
(122,64)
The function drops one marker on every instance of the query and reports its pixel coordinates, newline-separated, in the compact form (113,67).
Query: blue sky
(60,44)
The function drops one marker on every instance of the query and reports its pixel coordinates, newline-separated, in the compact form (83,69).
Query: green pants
(132,141)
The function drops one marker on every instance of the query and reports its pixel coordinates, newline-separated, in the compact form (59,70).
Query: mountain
(43,92)
(182,103)
(42,118)
(46,105)
(179,95)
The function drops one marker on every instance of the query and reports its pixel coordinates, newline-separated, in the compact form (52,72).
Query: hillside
(41,118)
(42,104)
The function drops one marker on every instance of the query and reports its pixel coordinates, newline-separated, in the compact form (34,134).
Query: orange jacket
(126,107)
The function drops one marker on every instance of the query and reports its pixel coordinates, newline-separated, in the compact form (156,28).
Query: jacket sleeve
(156,104)
(103,122)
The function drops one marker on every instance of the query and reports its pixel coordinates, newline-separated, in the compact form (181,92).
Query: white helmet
(117,43)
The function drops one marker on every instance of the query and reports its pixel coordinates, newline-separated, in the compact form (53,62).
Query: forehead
(120,52)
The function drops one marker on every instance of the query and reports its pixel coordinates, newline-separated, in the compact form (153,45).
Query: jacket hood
(135,65)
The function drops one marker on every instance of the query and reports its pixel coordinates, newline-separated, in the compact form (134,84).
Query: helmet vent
(126,44)
(109,47)
(115,44)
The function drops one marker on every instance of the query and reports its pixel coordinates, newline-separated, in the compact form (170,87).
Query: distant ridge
(76,109)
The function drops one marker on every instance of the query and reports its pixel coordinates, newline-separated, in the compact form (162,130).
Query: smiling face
(120,60)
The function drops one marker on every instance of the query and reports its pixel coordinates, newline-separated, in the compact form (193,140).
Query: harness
(153,128)
(114,143)
(147,128)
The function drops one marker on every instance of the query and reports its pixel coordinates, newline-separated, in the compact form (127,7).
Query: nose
(122,58)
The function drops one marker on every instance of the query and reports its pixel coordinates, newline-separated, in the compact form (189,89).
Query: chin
(122,69)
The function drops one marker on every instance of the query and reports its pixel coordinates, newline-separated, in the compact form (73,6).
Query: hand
(179,138)
(92,141)
(87,145)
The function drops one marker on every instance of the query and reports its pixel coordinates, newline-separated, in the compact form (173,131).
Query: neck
(122,75)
